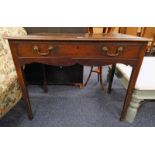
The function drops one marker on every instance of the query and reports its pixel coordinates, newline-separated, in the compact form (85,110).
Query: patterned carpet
(69,106)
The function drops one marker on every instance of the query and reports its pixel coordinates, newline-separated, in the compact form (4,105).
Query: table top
(79,36)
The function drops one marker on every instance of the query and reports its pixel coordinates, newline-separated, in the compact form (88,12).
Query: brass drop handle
(36,49)
(50,48)
(118,51)
(105,49)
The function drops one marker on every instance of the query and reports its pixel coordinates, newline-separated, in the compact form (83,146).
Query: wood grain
(84,49)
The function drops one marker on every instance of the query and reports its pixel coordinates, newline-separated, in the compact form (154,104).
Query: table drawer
(75,50)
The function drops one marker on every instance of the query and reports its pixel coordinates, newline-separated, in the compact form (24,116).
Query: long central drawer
(75,50)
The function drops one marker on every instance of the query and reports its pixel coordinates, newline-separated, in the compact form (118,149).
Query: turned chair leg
(132,109)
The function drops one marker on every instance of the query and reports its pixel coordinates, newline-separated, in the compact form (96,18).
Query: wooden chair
(151,48)
(138,31)
(141,32)
(99,68)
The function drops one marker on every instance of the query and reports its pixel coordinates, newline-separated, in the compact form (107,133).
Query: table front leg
(130,89)
(22,83)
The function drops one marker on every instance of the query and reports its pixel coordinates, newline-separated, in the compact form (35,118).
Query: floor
(69,106)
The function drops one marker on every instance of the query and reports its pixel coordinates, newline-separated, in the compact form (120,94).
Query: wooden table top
(79,36)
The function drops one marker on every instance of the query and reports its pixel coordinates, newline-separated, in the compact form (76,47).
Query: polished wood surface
(80,37)
(84,49)
(63,49)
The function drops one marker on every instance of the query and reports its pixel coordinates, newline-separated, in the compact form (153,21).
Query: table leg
(111,77)
(21,80)
(130,89)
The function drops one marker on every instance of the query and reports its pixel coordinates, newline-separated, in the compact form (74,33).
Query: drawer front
(78,50)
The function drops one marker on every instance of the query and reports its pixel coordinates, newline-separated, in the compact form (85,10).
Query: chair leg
(111,77)
(89,76)
(132,109)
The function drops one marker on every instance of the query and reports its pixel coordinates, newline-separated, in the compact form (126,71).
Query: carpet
(69,106)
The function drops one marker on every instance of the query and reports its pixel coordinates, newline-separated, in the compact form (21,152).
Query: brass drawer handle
(36,49)
(118,51)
